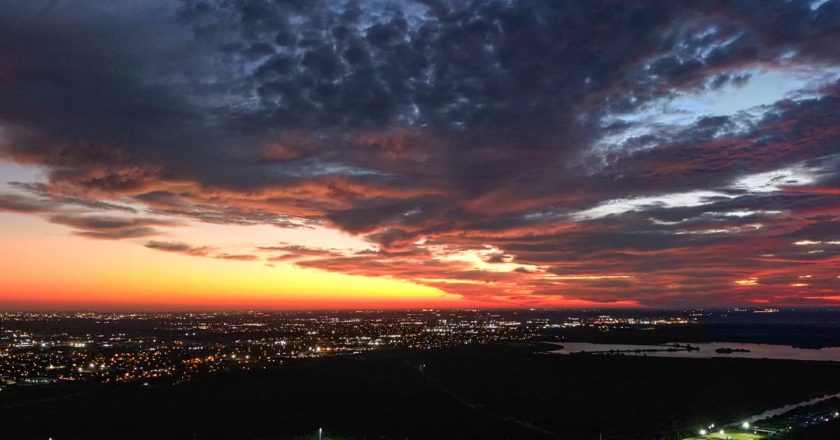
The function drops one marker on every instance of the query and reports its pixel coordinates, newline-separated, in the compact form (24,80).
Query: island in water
(727,350)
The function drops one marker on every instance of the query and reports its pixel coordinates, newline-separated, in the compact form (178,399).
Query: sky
(289,154)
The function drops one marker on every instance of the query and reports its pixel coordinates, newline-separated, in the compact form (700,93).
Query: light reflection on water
(707,350)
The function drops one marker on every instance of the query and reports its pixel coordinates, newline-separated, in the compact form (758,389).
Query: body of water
(706,350)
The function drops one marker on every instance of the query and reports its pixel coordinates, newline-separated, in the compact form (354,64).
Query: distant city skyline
(210,155)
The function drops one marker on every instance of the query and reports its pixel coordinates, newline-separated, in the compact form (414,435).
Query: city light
(199,343)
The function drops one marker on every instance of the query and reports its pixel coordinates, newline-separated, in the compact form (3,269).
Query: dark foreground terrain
(827,431)
(474,392)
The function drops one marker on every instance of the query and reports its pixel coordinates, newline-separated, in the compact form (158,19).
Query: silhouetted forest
(471,392)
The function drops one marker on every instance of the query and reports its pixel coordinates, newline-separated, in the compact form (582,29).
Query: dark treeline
(475,392)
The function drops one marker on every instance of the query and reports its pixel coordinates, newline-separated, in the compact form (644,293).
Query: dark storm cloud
(710,155)
(462,125)
(499,82)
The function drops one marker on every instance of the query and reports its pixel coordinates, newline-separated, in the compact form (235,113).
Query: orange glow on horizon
(47,267)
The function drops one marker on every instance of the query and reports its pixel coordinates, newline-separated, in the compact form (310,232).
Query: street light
(703,432)
(745,425)
(320,431)
(722,432)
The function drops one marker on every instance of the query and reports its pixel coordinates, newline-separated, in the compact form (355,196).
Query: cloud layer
(507,151)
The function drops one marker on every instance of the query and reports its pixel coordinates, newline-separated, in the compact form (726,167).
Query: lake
(707,350)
